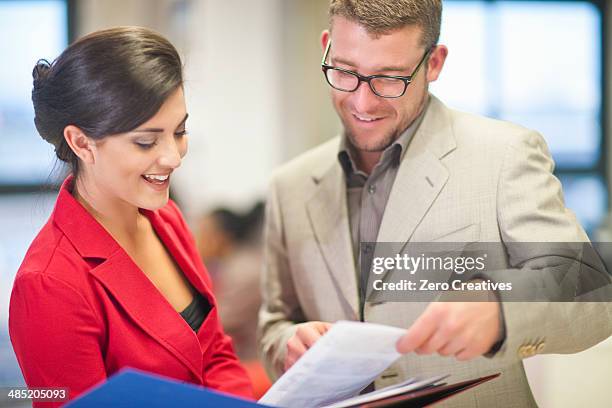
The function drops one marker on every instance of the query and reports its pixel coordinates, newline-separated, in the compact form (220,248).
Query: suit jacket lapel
(417,184)
(420,179)
(421,176)
(328,214)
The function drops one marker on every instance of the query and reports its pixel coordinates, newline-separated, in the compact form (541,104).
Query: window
(38,29)
(538,64)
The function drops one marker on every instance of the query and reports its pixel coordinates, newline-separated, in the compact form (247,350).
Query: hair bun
(40,71)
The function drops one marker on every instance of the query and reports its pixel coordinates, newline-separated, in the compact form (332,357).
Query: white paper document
(339,365)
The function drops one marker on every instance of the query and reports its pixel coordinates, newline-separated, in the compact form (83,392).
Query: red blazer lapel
(193,269)
(174,245)
(127,283)
(149,309)
(87,236)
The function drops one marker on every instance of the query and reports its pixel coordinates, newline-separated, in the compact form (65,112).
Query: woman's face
(136,167)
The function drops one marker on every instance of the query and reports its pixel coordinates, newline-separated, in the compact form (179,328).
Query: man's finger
(295,347)
(438,340)
(308,336)
(453,347)
(417,334)
(323,327)
(467,354)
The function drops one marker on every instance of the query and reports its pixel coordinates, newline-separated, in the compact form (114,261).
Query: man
(409,169)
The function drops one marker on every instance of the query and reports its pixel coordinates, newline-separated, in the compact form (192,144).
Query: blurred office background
(257,98)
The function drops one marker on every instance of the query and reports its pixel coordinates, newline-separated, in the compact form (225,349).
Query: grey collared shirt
(367,195)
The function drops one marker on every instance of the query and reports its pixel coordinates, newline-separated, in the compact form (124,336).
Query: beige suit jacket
(464,178)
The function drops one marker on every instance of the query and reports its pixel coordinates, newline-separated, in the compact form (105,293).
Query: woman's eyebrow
(154,130)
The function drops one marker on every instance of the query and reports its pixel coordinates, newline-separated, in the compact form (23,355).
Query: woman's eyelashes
(146,145)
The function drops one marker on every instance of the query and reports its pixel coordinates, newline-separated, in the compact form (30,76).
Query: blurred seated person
(229,244)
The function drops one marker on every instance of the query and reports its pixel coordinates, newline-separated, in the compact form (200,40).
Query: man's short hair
(383,16)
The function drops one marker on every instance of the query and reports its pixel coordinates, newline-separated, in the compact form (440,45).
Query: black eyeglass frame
(368,78)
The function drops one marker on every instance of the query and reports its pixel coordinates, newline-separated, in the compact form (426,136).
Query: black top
(196,312)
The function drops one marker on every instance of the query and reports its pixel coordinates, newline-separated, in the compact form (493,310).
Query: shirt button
(372,189)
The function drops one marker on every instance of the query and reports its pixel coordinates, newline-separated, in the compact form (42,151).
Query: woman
(114,278)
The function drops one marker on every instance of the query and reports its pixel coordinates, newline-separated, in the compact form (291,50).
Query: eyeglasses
(386,86)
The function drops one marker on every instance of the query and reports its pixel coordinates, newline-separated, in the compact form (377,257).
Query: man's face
(371,122)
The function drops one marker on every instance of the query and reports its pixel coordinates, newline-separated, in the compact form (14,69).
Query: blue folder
(132,388)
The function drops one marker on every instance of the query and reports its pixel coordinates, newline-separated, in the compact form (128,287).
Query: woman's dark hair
(108,82)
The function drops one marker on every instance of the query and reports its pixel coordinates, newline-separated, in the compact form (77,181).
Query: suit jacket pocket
(468,233)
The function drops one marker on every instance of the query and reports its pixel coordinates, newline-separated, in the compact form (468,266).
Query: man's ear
(324,39)
(79,143)
(436,62)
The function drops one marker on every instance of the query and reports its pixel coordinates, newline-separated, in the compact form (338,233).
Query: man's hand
(461,329)
(303,339)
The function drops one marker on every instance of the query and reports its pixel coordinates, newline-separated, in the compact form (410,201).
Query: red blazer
(81,309)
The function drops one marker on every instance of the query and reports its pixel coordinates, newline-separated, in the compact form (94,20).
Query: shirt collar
(393,154)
